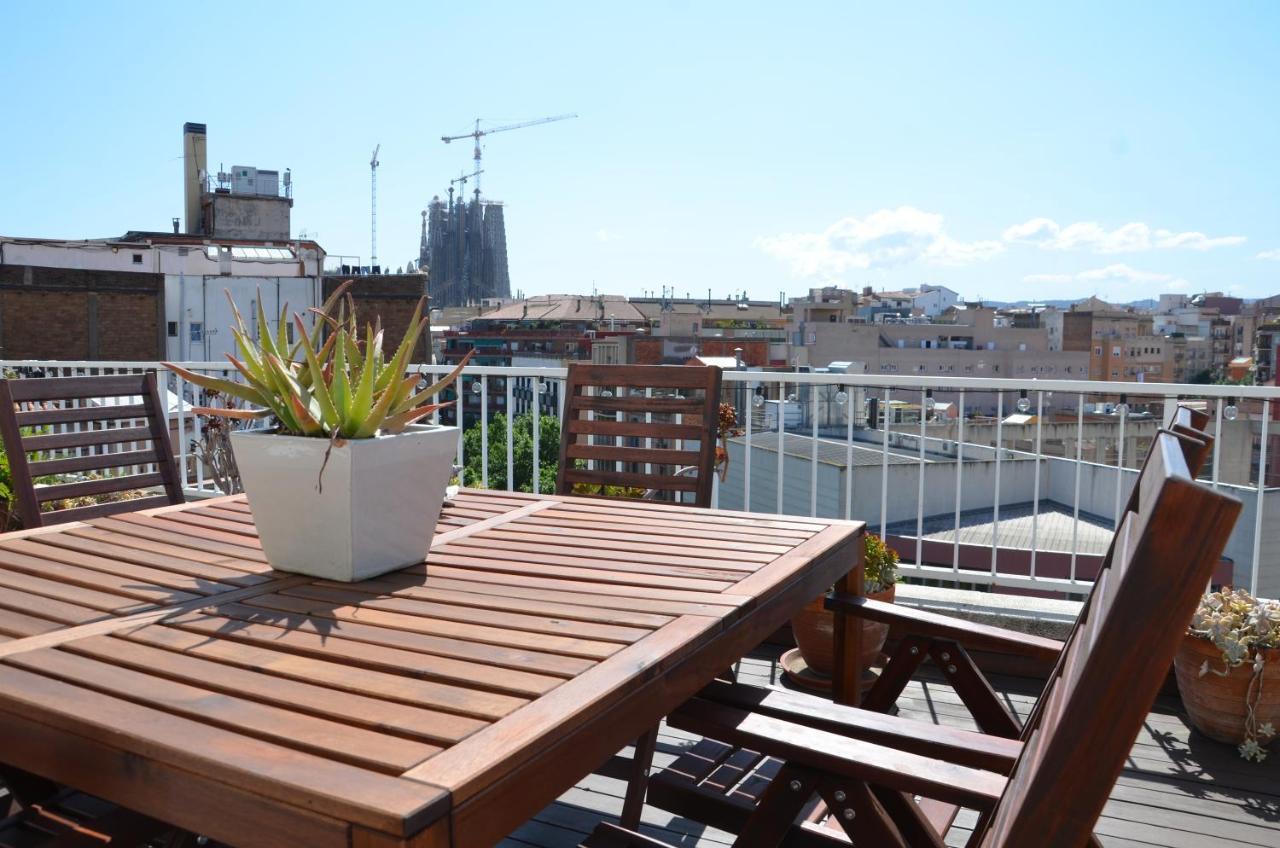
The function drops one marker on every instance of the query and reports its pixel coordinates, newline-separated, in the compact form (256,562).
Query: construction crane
(462,182)
(478,133)
(373,182)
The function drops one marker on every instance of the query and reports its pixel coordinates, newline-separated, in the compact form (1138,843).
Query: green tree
(522,453)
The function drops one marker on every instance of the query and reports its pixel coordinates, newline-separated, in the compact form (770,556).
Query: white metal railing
(828,459)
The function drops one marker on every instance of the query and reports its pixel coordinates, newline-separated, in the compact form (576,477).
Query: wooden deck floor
(1179,789)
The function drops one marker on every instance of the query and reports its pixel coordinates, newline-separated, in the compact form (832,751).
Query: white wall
(1017,480)
(155,258)
(199,304)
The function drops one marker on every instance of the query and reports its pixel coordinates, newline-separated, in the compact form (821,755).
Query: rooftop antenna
(478,133)
(373,202)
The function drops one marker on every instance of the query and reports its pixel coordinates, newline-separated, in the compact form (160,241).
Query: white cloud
(1133,237)
(1270,254)
(604,235)
(882,239)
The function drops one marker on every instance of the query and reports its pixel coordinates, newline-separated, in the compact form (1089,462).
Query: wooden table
(154,659)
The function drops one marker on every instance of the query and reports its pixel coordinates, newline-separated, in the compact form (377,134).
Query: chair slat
(87,438)
(77,414)
(637,429)
(641,404)
(94,462)
(85,513)
(98,487)
(636,481)
(622,453)
(68,388)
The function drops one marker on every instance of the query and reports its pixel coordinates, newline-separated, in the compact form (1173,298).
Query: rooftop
(829,452)
(1054,528)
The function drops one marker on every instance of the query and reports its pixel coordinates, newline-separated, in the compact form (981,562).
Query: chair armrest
(954,745)
(974,636)
(840,755)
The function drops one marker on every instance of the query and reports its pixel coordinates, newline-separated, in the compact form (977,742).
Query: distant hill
(1148,303)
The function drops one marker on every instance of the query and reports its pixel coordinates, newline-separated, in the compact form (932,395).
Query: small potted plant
(1228,670)
(814,626)
(344,484)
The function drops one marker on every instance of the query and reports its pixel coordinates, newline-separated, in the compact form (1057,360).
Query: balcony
(1000,498)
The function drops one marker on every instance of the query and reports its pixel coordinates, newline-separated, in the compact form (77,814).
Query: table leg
(846,685)
(638,785)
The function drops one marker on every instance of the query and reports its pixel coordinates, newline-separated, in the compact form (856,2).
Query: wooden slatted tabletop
(156,660)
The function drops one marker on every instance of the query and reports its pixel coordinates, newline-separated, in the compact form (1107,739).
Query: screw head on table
(795,785)
(848,814)
(840,796)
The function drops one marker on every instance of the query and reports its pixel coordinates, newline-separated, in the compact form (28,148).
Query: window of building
(137,259)
(173,329)
(1097,351)
(197,331)
(1115,373)
(1115,351)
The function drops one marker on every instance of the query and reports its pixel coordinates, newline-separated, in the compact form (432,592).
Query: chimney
(196,166)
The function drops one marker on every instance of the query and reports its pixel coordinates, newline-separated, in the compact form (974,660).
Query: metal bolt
(914,651)
(951,669)
(848,814)
(795,785)
(840,796)
(945,656)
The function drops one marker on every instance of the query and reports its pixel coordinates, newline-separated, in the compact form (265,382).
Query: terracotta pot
(814,626)
(1216,704)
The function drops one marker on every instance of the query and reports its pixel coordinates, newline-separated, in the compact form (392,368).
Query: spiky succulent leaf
(334,380)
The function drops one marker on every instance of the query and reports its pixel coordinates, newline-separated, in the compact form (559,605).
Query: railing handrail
(818,415)
(882,381)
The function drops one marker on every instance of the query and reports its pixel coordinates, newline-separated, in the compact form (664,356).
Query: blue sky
(1007,150)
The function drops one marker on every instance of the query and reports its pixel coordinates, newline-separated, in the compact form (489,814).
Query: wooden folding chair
(1046,789)
(650,427)
(113,425)
(38,813)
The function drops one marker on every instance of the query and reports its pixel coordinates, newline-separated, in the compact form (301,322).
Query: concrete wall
(241,216)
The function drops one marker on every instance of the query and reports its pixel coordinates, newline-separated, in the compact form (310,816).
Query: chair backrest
(109,429)
(1116,658)
(649,427)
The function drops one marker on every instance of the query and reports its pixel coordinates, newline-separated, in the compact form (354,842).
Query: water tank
(244,180)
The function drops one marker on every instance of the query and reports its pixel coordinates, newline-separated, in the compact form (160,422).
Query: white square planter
(373,511)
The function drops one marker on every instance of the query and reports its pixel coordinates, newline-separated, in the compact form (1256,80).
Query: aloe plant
(337,387)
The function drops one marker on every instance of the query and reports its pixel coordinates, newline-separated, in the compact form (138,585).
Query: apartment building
(974,346)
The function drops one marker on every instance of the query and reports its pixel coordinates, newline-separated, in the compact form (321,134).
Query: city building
(543,331)
(244,203)
(753,331)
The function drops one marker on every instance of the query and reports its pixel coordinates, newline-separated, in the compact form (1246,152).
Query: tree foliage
(522,453)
